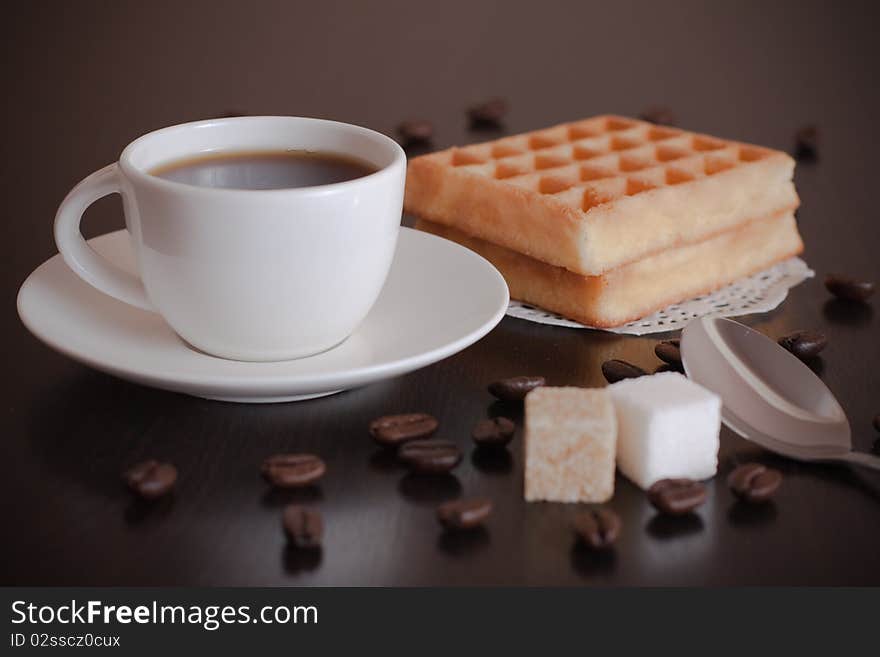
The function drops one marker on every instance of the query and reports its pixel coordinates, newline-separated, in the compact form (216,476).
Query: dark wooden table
(82,79)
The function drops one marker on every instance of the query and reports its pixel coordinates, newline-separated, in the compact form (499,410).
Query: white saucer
(439,298)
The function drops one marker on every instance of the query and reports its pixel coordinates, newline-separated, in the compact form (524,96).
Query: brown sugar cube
(570,443)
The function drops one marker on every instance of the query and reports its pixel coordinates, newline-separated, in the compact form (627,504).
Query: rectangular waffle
(637,289)
(596,194)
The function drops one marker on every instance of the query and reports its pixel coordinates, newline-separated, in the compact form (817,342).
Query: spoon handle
(863,459)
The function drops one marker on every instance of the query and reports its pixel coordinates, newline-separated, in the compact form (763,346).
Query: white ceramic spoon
(769,396)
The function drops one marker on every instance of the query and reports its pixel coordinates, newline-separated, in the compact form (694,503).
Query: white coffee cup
(247,274)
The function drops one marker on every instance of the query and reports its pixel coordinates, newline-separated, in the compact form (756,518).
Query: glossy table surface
(83,79)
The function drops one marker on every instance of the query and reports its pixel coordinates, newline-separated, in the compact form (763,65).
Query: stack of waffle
(609,219)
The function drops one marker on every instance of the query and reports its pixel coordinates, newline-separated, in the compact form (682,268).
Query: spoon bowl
(769,396)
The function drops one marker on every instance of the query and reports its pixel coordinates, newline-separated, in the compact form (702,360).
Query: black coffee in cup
(276,169)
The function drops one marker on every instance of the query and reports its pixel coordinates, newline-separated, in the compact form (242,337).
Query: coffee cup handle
(79,256)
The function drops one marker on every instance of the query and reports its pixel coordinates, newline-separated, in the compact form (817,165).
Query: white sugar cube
(667,426)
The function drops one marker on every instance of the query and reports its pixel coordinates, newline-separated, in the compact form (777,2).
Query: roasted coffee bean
(598,528)
(616,370)
(391,430)
(669,351)
(151,479)
(848,288)
(804,344)
(495,432)
(516,388)
(876,422)
(415,132)
(753,482)
(806,143)
(304,527)
(292,470)
(658,115)
(430,456)
(464,514)
(676,497)
(488,114)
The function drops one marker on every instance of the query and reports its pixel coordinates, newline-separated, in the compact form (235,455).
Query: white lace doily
(758,293)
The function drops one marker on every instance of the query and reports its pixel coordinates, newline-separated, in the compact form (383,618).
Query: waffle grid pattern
(595,161)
